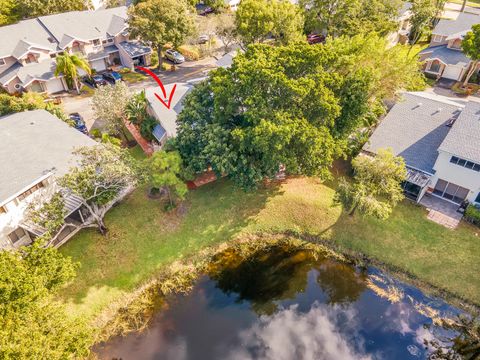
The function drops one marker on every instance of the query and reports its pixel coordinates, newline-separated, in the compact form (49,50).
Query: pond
(288,304)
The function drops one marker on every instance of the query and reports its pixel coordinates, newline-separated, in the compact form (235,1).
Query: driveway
(189,70)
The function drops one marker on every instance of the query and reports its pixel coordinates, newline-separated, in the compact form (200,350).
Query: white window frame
(437,38)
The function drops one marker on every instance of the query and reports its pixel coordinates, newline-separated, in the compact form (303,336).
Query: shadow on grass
(142,237)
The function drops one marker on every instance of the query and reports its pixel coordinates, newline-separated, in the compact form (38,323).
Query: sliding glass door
(450,191)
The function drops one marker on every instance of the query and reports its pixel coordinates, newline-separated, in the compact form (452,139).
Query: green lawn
(142,238)
(132,77)
(472,3)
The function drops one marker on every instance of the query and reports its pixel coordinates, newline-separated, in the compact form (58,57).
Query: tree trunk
(470,72)
(352,212)
(169,196)
(101,226)
(160,58)
(463,6)
(75,81)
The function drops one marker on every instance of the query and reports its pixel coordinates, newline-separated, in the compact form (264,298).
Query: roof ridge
(437,98)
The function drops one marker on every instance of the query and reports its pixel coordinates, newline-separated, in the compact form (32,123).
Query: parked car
(95,80)
(174,56)
(79,124)
(206,11)
(202,39)
(112,77)
(315,39)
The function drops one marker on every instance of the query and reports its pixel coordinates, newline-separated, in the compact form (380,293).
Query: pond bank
(276,297)
(138,308)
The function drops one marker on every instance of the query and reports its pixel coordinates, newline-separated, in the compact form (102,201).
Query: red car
(315,39)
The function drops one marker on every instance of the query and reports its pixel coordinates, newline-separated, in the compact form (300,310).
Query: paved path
(185,72)
(441,211)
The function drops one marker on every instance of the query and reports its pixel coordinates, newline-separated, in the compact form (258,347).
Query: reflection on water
(286,304)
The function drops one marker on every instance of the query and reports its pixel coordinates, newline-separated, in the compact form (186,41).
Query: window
(437,38)
(17,235)
(109,40)
(2,62)
(434,66)
(96,42)
(29,191)
(450,191)
(477,199)
(465,163)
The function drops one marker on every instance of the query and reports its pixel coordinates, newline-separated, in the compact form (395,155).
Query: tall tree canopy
(471,48)
(288,105)
(12,11)
(68,65)
(351,17)
(424,11)
(376,188)
(160,22)
(32,324)
(256,20)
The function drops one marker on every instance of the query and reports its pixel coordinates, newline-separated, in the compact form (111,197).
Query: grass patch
(137,152)
(133,77)
(142,238)
(472,3)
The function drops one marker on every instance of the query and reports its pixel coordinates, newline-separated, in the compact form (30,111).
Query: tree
(29,101)
(68,66)
(351,17)
(377,185)
(104,174)
(136,109)
(471,48)
(256,20)
(110,104)
(8,12)
(173,24)
(164,170)
(225,30)
(289,106)
(216,5)
(424,11)
(32,324)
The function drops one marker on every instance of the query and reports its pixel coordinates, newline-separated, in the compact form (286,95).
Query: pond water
(288,305)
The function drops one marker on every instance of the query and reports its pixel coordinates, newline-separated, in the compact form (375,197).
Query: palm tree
(68,66)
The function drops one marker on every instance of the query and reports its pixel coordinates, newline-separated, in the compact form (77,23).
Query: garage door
(54,85)
(452,72)
(99,65)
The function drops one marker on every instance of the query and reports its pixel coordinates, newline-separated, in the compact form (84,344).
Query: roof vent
(50,39)
(32,123)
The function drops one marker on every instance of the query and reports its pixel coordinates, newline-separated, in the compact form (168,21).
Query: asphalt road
(185,72)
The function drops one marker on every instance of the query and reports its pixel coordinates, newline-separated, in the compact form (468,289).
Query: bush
(96,133)
(472,214)
(146,128)
(124,71)
(190,52)
(154,59)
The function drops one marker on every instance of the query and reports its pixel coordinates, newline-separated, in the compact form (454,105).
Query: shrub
(154,59)
(190,52)
(96,133)
(146,128)
(472,214)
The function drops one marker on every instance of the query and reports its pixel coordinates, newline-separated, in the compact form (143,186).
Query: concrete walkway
(441,211)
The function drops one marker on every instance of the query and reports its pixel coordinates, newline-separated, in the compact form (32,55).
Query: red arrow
(159,82)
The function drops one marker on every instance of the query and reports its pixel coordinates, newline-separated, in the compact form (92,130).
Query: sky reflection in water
(283,308)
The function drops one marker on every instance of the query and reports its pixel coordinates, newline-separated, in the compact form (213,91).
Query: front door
(450,191)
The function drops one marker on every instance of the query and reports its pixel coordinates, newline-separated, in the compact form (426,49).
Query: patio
(441,211)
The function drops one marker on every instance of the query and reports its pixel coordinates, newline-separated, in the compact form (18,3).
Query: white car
(174,56)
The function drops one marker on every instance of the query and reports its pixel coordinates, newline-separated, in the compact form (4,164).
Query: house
(438,138)
(29,47)
(444,57)
(167,118)
(36,148)
(400,36)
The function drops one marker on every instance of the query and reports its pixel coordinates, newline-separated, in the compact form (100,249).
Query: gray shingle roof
(27,33)
(33,144)
(414,129)
(10,73)
(107,50)
(85,25)
(463,23)
(135,48)
(463,140)
(446,55)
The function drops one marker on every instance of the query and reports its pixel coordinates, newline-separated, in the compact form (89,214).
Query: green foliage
(472,214)
(8,12)
(164,172)
(29,101)
(351,17)
(173,24)
(292,106)
(256,20)
(147,126)
(109,104)
(216,5)
(377,185)
(32,324)
(190,52)
(108,139)
(424,11)
(471,48)
(136,110)
(68,66)
(50,215)
(226,30)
